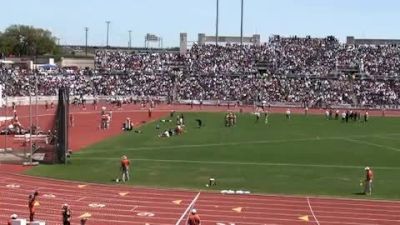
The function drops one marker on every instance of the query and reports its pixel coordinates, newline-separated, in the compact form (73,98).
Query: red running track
(118,204)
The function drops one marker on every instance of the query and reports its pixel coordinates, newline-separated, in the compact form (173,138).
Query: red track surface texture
(115,204)
(118,204)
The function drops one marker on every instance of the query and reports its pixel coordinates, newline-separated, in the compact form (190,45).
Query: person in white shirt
(288,114)
(343,116)
(327,114)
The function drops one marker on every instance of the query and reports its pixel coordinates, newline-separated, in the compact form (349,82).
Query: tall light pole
(36,98)
(130,39)
(216,23)
(86,39)
(36,90)
(241,24)
(6,104)
(108,31)
(30,124)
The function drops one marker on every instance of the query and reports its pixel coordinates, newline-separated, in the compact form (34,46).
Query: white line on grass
(149,148)
(371,144)
(236,163)
(312,211)
(386,137)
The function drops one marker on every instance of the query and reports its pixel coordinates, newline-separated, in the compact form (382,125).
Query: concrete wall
(183,43)
(80,63)
(350,40)
(254,40)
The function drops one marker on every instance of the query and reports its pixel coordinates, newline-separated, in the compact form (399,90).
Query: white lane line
(212,213)
(80,199)
(312,211)
(190,147)
(180,193)
(371,144)
(387,137)
(239,163)
(190,206)
(94,220)
(258,208)
(134,208)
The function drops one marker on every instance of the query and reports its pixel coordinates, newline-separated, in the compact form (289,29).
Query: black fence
(62,125)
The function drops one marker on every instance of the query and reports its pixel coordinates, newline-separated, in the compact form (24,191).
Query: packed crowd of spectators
(315,71)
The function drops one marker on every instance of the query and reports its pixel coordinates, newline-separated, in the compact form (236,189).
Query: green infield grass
(306,155)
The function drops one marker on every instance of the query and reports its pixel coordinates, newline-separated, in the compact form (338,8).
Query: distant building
(350,40)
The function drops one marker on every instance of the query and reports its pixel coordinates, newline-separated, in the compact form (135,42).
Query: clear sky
(167,18)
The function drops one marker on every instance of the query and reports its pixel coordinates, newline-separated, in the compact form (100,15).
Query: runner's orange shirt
(194,219)
(370,175)
(125,163)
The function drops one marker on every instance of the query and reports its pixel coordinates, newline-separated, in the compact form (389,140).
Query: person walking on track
(125,163)
(66,214)
(194,218)
(32,204)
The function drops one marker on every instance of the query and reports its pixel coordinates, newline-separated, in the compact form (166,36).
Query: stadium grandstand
(293,123)
(316,72)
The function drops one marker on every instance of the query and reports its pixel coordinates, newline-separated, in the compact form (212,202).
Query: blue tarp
(47,66)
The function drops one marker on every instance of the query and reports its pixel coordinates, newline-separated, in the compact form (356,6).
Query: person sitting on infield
(128,125)
(199,123)
(179,130)
(125,168)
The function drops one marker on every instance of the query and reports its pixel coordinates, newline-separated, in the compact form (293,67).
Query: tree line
(22,40)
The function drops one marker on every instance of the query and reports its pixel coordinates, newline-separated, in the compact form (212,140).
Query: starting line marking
(225,224)
(177,202)
(145,214)
(96,205)
(238,209)
(49,196)
(304,218)
(13,186)
(85,215)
